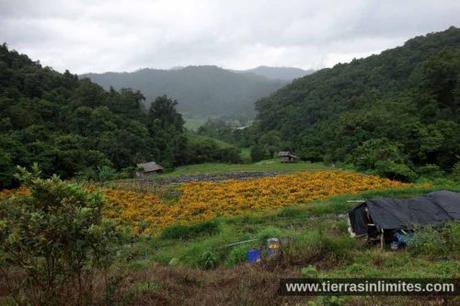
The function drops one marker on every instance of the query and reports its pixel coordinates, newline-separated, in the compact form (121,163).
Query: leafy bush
(452,235)
(101,174)
(258,153)
(437,242)
(202,149)
(185,232)
(229,155)
(367,155)
(315,245)
(430,171)
(208,260)
(384,157)
(54,237)
(309,272)
(395,171)
(237,255)
(269,232)
(428,241)
(456,170)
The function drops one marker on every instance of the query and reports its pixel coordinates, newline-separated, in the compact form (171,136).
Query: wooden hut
(287,157)
(148,169)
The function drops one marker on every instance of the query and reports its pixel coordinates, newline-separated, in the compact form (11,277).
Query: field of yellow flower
(200,201)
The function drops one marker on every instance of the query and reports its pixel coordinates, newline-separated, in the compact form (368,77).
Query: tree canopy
(405,101)
(74,127)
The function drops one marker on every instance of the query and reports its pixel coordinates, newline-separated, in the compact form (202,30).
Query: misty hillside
(403,104)
(201,91)
(279,73)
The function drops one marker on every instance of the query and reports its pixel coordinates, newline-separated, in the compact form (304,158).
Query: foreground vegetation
(201,257)
(186,242)
(202,262)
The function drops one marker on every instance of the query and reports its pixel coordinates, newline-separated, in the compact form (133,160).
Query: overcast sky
(125,35)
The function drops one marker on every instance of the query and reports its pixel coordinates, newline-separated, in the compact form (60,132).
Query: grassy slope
(318,240)
(262,166)
(220,143)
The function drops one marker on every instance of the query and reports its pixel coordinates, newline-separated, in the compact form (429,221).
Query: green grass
(315,243)
(262,166)
(313,229)
(220,143)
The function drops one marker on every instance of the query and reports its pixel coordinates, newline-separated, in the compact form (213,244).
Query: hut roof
(286,154)
(150,166)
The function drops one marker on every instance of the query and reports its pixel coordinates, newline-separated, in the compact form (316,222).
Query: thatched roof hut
(287,157)
(150,168)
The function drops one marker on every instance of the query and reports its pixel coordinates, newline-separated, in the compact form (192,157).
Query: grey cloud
(126,35)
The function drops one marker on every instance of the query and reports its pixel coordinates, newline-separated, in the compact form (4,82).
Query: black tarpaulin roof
(387,213)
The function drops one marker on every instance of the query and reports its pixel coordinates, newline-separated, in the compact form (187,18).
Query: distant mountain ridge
(203,91)
(279,73)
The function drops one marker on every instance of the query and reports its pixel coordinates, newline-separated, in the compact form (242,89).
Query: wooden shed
(287,157)
(148,169)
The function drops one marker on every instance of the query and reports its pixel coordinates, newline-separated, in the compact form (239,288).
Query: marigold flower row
(200,201)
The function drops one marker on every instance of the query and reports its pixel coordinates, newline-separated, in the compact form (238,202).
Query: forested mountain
(202,90)
(74,127)
(279,73)
(395,112)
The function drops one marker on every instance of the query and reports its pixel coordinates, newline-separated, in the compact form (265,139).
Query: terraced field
(193,202)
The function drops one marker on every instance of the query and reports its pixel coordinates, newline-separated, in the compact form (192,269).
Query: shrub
(431,171)
(229,155)
(383,156)
(309,272)
(258,153)
(451,233)
(315,245)
(237,255)
(185,232)
(208,260)
(54,237)
(201,149)
(370,152)
(269,232)
(427,241)
(456,170)
(101,174)
(439,242)
(395,171)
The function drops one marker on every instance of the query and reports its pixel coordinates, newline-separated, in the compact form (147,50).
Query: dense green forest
(203,91)
(397,112)
(74,127)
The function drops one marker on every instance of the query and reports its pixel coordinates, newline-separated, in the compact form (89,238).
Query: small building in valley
(148,169)
(287,157)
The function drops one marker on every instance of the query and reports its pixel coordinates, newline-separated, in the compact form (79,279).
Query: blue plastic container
(253,255)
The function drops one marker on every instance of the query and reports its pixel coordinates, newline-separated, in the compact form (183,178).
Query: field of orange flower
(200,201)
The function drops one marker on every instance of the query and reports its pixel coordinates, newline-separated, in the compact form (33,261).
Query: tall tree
(166,127)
